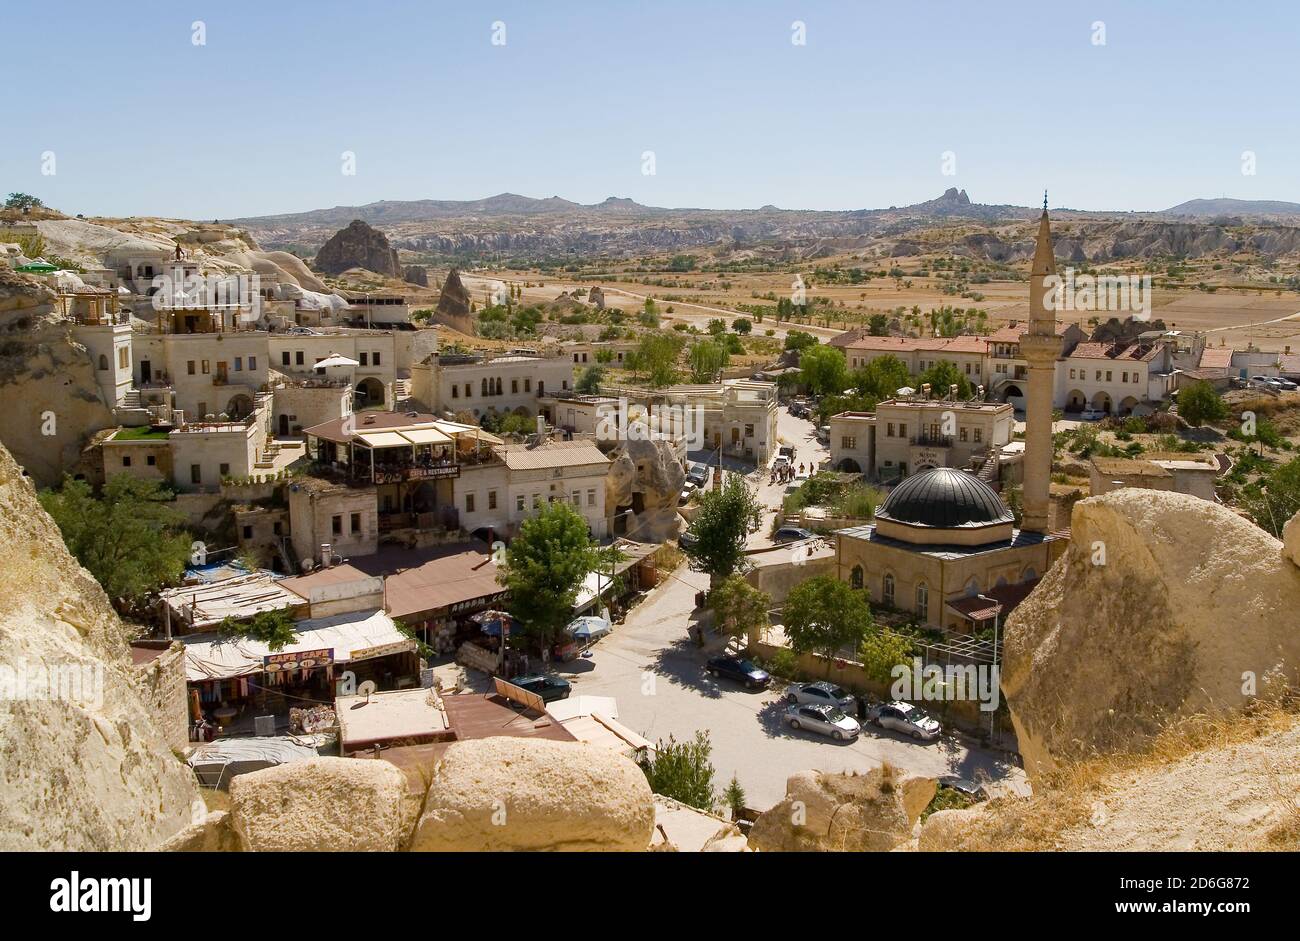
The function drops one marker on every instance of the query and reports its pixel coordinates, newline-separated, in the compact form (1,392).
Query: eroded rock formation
(648,469)
(453,305)
(358,246)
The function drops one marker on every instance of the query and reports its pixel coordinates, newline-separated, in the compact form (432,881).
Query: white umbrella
(336,359)
(906,390)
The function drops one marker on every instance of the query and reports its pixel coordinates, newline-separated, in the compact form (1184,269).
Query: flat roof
(397,714)
(554,454)
(485,715)
(240,596)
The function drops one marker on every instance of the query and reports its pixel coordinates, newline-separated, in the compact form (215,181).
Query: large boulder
(1164,605)
(416,274)
(453,308)
(1291,539)
(83,763)
(871,812)
(503,793)
(323,804)
(648,469)
(358,246)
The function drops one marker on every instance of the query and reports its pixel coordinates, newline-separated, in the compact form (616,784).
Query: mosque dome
(944,498)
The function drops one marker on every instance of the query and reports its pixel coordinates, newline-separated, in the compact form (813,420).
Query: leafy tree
(649,315)
(739,607)
(734,797)
(1199,403)
(682,771)
(823,369)
(273,628)
(742,325)
(726,518)
(944,374)
(882,377)
(656,358)
(22,201)
(1276,497)
(590,380)
(881,651)
(798,340)
(824,615)
(707,358)
(717,327)
(545,566)
(131,540)
(878,325)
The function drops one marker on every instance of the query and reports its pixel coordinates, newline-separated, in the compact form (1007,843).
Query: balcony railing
(931,441)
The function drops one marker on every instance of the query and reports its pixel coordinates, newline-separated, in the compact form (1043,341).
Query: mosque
(943,546)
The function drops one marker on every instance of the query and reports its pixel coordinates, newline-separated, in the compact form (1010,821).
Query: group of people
(783,472)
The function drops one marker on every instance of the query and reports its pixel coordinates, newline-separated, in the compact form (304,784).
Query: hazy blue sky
(142,121)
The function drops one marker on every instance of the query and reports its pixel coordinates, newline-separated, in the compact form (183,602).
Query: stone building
(470,384)
(907,435)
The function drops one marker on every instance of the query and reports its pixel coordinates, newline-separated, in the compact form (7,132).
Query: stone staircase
(988,472)
(131,398)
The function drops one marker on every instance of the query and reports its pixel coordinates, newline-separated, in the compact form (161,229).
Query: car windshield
(834,715)
(838,693)
(747,666)
(914,714)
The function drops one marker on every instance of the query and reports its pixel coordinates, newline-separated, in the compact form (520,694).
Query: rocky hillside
(91,770)
(358,246)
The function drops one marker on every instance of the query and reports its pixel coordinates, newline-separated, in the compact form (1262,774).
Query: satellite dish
(366,688)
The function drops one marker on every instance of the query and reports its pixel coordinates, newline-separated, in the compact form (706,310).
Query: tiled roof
(960,344)
(555,454)
(1216,358)
(1010,334)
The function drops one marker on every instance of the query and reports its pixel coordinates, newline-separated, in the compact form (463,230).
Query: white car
(1092,414)
(825,720)
(906,718)
(821,693)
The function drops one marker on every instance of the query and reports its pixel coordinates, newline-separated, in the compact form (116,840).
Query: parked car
(906,718)
(786,451)
(740,670)
(824,434)
(792,534)
(821,693)
(698,474)
(550,688)
(1091,414)
(825,720)
(1286,385)
(686,540)
(685,498)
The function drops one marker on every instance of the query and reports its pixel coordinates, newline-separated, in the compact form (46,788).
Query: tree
(883,650)
(656,358)
(738,607)
(734,798)
(1199,403)
(824,615)
(273,628)
(22,201)
(726,518)
(131,540)
(717,327)
(589,382)
(546,564)
(682,771)
(878,325)
(882,377)
(823,369)
(944,374)
(649,315)
(742,325)
(800,341)
(1276,498)
(707,358)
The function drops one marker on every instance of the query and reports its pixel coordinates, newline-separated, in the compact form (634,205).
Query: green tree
(721,527)
(649,315)
(734,798)
(707,358)
(882,377)
(1199,403)
(742,325)
(717,327)
(798,340)
(589,382)
(656,358)
(823,369)
(883,650)
(824,615)
(546,564)
(22,201)
(132,540)
(738,607)
(944,374)
(878,325)
(1276,498)
(682,771)
(273,628)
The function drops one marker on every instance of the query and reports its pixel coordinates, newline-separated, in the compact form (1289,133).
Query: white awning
(384,439)
(336,359)
(425,436)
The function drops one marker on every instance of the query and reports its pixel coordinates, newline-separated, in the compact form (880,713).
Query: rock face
(596,297)
(506,794)
(647,468)
(324,804)
(453,305)
(416,274)
(1164,605)
(52,399)
(358,246)
(855,812)
(1291,539)
(86,769)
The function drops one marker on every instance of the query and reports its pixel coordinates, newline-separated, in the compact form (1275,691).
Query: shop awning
(425,436)
(383,439)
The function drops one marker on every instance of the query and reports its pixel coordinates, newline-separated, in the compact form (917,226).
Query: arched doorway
(1126,407)
(849,466)
(1101,401)
(1076,402)
(239,407)
(369,392)
(1014,396)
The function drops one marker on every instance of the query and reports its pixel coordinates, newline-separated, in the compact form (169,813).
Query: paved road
(655,672)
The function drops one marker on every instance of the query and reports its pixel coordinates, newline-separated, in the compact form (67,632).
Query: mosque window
(923,601)
(887,590)
(855,577)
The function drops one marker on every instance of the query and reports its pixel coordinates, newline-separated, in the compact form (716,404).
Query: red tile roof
(1216,358)
(959,344)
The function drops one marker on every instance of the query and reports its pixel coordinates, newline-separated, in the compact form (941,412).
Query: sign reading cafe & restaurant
(300,660)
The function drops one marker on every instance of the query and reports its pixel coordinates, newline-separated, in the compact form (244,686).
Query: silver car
(906,718)
(821,693)
(825,720)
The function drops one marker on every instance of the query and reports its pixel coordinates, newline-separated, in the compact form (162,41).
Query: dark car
(792,534)
(550,688)
(740,670)
(971,790)
(686,540)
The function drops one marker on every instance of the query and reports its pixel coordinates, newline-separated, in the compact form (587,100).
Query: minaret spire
(1040,346)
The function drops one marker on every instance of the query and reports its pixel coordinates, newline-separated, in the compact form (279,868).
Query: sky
(1109,105)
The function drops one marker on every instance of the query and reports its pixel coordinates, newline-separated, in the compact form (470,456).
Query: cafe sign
(299,660)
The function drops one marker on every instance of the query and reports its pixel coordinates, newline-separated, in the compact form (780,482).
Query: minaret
(1040,347)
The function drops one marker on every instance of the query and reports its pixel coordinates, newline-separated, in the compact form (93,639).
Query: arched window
(1028,575)
(922,602)
(498,385)
(483,387)
(972,587)
(855,577)
(887,590)
(103,361)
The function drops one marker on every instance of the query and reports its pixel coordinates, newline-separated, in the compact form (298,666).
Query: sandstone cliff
(86,769)
(358,246)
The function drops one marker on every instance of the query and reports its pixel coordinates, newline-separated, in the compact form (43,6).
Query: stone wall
(163,683)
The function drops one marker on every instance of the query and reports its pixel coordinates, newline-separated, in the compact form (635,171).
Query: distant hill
(1210,208)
